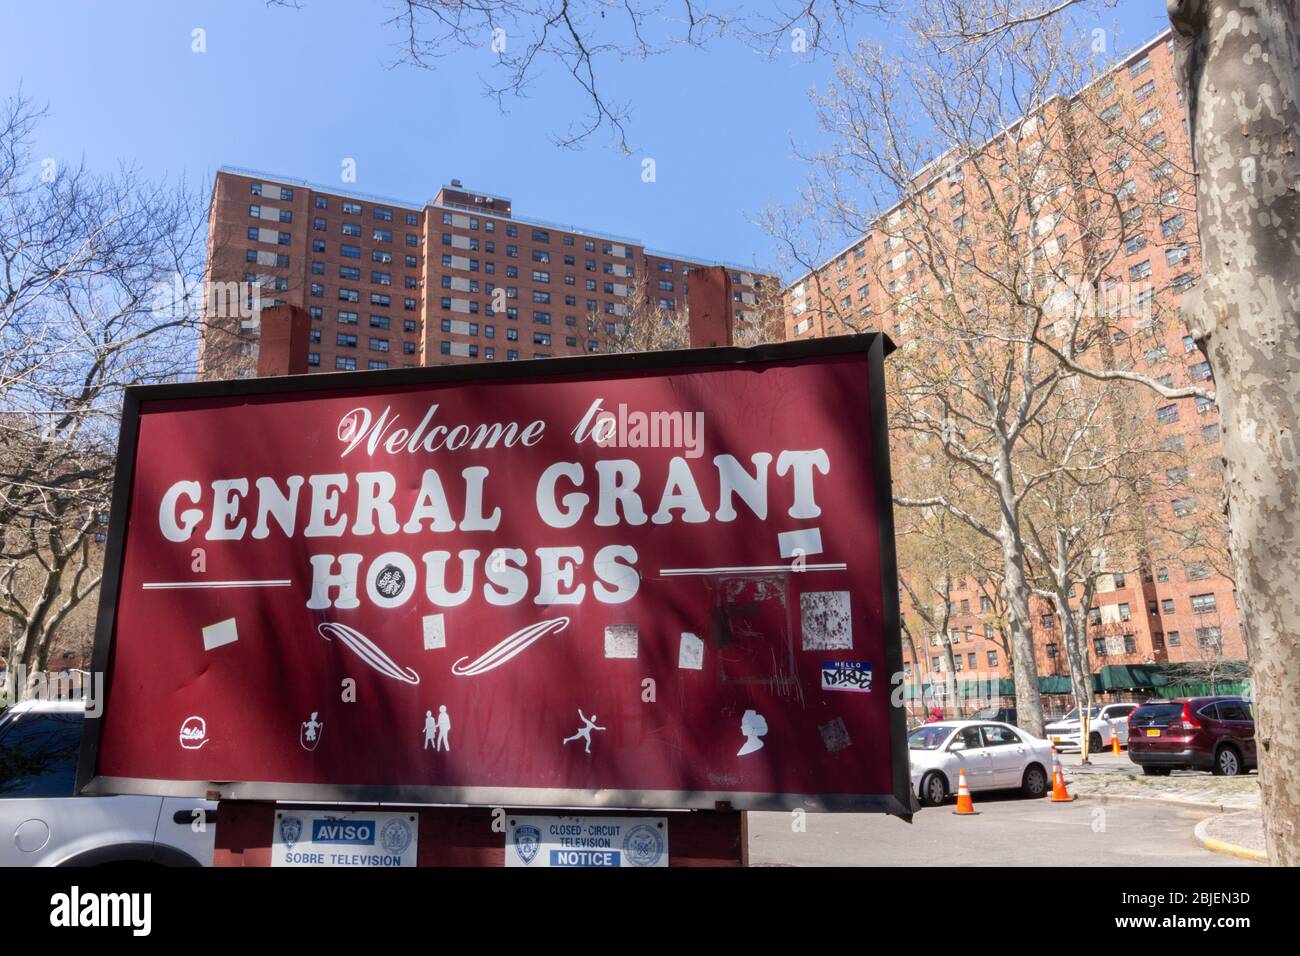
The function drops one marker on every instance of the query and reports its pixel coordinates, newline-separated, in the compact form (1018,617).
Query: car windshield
(1074,714)
(928,738)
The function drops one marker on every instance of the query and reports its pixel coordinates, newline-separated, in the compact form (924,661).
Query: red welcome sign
(661,580)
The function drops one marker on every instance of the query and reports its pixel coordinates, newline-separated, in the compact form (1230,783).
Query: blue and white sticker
(852,676)
(358,839)
(586,842)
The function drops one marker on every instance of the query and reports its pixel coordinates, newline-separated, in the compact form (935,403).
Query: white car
(995,756)
(1104,723)
(43,824)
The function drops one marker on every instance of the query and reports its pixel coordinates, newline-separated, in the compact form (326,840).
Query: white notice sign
(586,841)
(360,838)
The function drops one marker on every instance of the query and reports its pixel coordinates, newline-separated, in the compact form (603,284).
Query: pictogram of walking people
(585,732)
(436,730)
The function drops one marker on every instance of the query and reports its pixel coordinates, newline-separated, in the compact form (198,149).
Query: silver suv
(43,824)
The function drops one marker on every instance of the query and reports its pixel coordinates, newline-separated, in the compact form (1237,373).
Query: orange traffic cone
(1059,793)
(1114,743)
(964,805)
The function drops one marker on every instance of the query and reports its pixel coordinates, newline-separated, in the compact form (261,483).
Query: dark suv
(1197,733)
(1006,715)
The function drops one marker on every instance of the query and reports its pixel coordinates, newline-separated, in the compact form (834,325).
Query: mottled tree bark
(1240,61)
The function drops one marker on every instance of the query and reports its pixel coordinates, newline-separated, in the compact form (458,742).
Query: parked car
(43,824)
(1104,723)
(995,756)
(1002,715)
(1198,733)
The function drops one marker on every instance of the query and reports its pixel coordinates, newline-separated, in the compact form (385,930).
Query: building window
(1209,637)
(345,363)
(1203,604)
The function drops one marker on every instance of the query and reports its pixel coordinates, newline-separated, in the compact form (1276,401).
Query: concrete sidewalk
(1109,776)
(1238,834)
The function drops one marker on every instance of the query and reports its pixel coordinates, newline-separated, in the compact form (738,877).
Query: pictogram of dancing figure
(585,732)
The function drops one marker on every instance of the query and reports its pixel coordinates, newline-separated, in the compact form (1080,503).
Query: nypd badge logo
(396,836)
(527,841)
(290,831)
(643,846)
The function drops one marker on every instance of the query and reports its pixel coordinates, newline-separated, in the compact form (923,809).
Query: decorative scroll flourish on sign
(512,645)
(368,651)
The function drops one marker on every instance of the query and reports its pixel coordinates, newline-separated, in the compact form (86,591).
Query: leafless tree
(1089,518)
(929,547)
(96,274)
(1239,63)
(586,39)
(644,325)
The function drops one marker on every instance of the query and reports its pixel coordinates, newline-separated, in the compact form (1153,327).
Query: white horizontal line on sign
(753,569)
(163,585)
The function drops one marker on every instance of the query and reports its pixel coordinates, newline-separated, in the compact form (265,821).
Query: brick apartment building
(389,284)
(1174,610)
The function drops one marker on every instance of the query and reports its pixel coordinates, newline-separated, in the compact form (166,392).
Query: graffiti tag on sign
(846,675)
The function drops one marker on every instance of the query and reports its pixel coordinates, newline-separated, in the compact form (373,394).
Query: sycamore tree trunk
(1080,679)
(1240,61)
(1015,588)
(1029,705)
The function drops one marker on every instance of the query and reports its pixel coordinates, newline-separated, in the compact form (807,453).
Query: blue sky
(123,86)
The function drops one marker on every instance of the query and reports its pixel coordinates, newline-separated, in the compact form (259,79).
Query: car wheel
(1227,762)
(1035,781)
(934,789)
(1094,743)
(1155,771)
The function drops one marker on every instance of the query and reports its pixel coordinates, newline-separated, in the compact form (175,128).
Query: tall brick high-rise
(1175,608)
(457,279)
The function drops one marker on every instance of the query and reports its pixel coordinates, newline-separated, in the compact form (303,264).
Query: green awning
(1127,677)
(1054,684)
(1229,688)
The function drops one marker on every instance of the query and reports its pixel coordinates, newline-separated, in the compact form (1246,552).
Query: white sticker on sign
(586,841)
(360,838)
